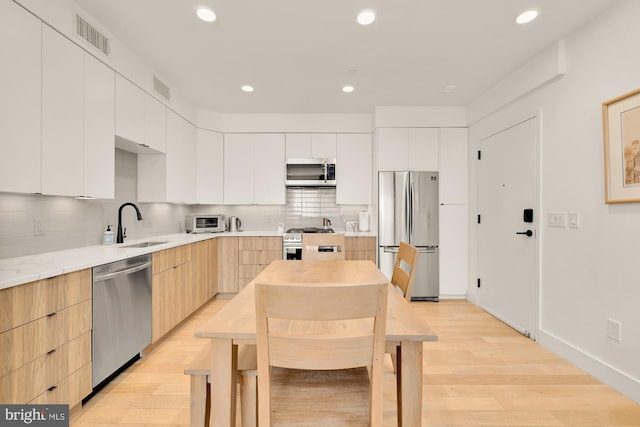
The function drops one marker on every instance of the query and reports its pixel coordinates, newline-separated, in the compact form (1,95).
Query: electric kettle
(234,224)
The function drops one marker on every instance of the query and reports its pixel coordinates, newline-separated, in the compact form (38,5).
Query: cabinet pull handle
(52,314)
(51,351)
(53,387)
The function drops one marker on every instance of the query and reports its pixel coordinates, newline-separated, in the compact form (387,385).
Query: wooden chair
(311,369)
(404,269)
(313,242)
(403,274)
(200,400)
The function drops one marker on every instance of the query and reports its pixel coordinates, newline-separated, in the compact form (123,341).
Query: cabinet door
(454,166)
(181,160)
(454,250)
(423,149)
(62,115)
(269,169)
(129,110)
(353,169)
(155,124)
(20,103)
(99,129)
(238,169)
(298,145)
(227,264)
(210,166)
(323,145)
(393,149)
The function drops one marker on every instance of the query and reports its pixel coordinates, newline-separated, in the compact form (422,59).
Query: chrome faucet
(120,237)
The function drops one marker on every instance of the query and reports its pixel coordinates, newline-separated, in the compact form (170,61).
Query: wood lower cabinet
(227,265)
(360,248)
(254,254)
(172,289)
(45,337)
(205,271)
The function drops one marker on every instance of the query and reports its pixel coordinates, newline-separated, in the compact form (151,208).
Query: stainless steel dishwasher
(121,314)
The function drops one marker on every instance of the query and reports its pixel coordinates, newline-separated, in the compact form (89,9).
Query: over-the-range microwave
(311,172)
(204,223)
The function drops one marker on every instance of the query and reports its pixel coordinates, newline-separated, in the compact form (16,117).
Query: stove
(292,241)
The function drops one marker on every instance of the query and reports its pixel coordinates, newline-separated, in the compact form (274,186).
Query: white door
(507,258)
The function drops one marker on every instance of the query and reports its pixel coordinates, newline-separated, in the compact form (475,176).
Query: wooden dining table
(235,324)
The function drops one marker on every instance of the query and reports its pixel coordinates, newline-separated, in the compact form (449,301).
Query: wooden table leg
(409,383)
(198,401)
(223,370)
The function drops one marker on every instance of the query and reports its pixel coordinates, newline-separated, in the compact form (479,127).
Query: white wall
(590,274)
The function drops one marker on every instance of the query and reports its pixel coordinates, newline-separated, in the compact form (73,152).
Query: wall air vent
(93,36)
(161,88)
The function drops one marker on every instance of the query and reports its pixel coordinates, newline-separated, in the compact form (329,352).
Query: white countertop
(25,269)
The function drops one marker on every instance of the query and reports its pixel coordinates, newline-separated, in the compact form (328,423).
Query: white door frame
(497,128)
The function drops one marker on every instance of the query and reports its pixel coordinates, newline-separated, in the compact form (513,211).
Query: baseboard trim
(600,370)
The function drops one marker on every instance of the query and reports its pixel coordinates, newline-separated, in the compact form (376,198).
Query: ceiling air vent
(161,88)
(91,35)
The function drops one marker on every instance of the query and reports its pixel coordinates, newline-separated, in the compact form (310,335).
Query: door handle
(528,233)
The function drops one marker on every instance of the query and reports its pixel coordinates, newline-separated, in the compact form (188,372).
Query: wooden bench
(200,400)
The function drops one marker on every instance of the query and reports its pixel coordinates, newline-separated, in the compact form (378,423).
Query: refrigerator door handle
(410,209)
(391,250)
(407,207)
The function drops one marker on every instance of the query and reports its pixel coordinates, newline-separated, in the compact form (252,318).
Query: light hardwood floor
(479,373)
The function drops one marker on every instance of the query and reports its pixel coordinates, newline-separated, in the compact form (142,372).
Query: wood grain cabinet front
(360,248)
(254,255)
(46,340)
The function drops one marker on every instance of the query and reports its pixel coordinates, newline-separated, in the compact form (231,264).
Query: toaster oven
(204,223)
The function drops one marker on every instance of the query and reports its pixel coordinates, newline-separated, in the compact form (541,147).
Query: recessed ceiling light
(206,14)
(527,16)
(247,88)
(348,89)
(366,17)
(449,89)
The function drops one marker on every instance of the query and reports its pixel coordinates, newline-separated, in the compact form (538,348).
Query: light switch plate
(39,226)
(573,219)
(557,219)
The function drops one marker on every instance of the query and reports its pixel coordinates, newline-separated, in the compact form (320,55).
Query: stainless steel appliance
(234,224)
(408,207)
(121,314)
(204,223)
(292,241)
(311,172)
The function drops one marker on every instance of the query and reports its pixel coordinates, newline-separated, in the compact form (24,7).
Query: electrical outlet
(39,226)
(573,219)
(557,219)
(146,222)
(614,330)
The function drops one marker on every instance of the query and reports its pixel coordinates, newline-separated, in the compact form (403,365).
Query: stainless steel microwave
(311,172)
(204,223)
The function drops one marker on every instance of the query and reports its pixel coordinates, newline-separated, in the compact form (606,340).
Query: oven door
(292,253)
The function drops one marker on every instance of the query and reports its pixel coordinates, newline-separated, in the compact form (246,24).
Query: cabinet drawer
(360,243)
(169,258)
(31,380)
(360,256)
(25,303)
(260,243)
(250,271)
(258,257)
(25,343)
(71,390)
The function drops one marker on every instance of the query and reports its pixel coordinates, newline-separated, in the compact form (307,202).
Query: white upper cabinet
(311,145)
(62,115)
(353,169)
(20,103)
(99,128)
(140,118)
(454,166)
(402,149)
(254,169)
(170,177)
(210,167)
(181,159)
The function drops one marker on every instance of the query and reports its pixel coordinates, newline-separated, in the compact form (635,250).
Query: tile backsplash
(71,223)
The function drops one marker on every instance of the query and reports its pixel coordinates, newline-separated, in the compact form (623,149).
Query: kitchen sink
(144,244)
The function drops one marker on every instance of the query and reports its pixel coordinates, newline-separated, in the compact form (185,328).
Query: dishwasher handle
(124,272)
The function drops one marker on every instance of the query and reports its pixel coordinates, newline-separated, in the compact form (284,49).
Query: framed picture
(621,125)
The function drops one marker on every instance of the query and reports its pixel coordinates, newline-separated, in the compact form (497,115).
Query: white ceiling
(297,53)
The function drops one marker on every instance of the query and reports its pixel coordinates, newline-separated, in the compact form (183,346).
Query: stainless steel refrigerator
(408,207)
